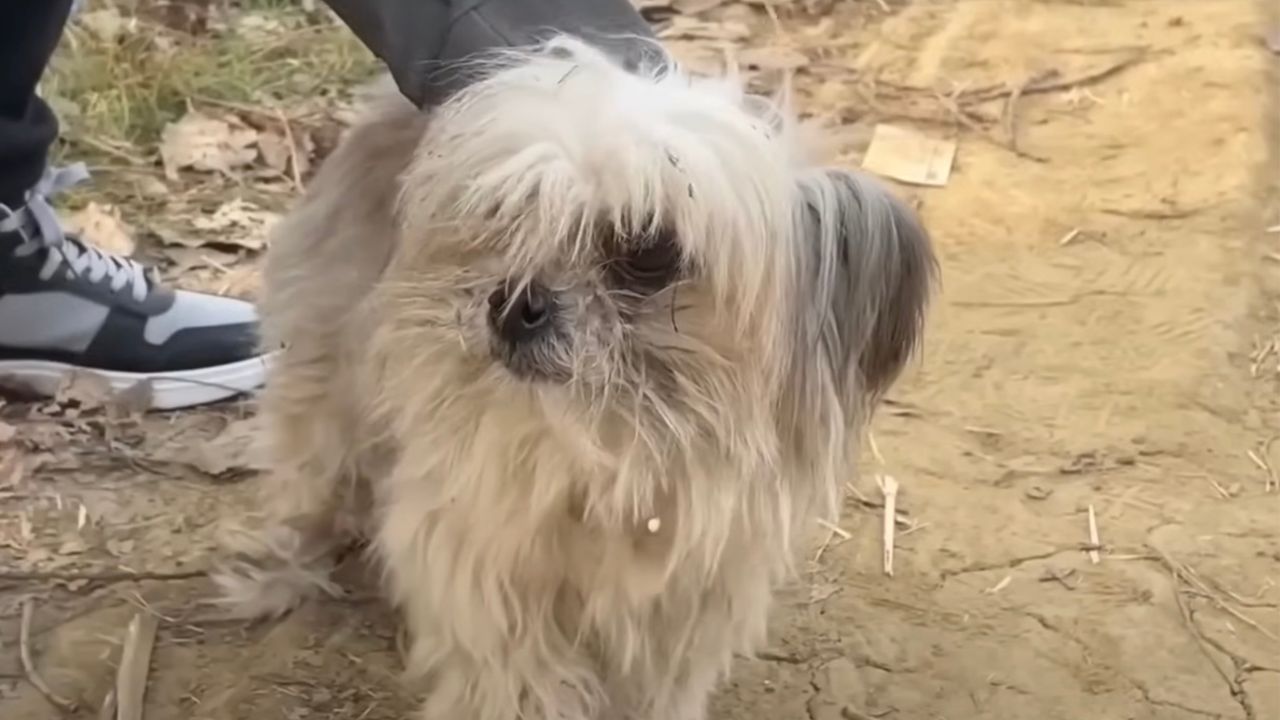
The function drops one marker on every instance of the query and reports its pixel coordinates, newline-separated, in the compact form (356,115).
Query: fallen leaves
(102,226)
(239,223)
(211,144)
(107,24)
(687,28)
(773,57)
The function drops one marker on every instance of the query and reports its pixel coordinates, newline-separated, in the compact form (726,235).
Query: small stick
(1090,78)
(108,709)
(844,534)
(999,586)
(889,487)
(29,666)
(1263,461)
(832,531)
(1066,239)
(104,576)
(135,659)
(875,449)
(1221,490)
(1094,544)
(822,549)
(293,149)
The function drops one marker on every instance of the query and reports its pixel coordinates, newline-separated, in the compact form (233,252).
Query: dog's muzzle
(525,327)
(523,318)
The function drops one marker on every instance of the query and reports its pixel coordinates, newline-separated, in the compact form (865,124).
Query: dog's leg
(290,555)
(479,605)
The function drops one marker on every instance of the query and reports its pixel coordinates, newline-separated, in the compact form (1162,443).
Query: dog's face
(646,253)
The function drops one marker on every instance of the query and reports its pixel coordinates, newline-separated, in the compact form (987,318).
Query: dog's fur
(593,526)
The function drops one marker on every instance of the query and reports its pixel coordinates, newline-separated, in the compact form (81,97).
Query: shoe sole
(169,391)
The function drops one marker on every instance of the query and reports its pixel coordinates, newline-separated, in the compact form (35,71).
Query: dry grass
(120,76)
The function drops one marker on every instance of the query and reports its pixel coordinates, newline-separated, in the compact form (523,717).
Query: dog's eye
(649,264)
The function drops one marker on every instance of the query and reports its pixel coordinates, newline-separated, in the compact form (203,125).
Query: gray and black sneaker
(67,306)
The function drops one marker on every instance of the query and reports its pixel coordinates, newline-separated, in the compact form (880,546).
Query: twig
(1263,461)
(1039,302)
(115,152)
(1011,106)
(844,534)
(1070,236)
(1094,544)
(1004,583)
(106,576)
(875,449)
(293,149)
(958,113)
(1190,622)
(1221,490)
(1090,78)
(832,531)
(108,709)
(29,666)
(135,659)
(889,487)
(1171,214)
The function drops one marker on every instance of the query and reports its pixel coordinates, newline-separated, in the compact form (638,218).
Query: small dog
(583,352)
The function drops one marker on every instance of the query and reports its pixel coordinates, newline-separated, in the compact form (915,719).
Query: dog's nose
(523,317)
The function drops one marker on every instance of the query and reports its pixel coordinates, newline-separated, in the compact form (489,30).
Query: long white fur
(513,519)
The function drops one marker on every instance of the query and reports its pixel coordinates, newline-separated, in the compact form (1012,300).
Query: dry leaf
(697,58)
(11,467)
(106,24)
(84,390)
(275,150)
(909,157)
(693,7)
(687,28)
(242,223)
(258,27)
(773,58)
(102,227)
(200,142)
(231,454)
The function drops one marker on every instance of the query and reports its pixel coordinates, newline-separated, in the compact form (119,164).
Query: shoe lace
(38,224)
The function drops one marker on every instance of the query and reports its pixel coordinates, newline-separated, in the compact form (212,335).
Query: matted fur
(599,545)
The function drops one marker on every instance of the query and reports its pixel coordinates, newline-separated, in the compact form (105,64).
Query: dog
(583,352)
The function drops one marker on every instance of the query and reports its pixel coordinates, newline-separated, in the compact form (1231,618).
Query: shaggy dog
(583,352)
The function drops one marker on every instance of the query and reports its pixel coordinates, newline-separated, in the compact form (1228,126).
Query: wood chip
(135,662)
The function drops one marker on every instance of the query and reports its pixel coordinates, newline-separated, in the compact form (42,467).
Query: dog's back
(330,250)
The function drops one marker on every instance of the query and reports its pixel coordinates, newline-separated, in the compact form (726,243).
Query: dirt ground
(1107,341)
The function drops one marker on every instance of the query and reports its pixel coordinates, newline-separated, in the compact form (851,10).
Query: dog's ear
(867,272)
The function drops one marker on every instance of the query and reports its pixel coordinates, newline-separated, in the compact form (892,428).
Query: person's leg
(27,125)
(66,306)
(425,43)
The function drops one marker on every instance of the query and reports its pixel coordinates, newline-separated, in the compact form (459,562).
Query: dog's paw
(268,573)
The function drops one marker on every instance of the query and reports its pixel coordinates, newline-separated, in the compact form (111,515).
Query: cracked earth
(1105,339)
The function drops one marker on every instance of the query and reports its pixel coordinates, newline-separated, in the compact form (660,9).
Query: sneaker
(66,306)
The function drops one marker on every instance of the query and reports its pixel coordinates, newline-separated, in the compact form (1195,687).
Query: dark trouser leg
(27,125)
(420,39)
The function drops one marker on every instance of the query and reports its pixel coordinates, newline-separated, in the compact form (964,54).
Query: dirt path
(1131,370)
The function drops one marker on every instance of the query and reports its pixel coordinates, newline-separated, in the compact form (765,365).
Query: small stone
(1036,492)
